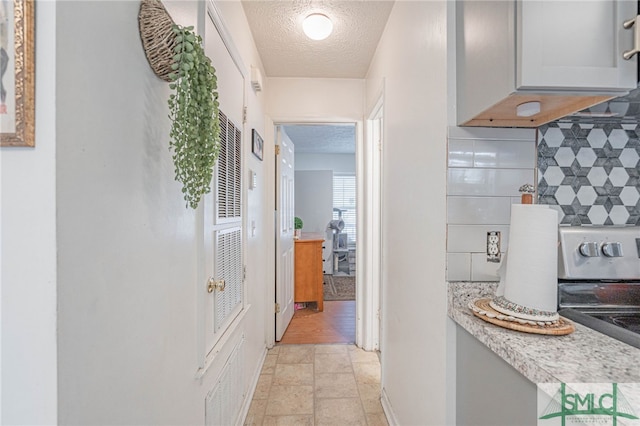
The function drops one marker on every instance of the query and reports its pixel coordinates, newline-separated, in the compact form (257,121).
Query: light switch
(253,179)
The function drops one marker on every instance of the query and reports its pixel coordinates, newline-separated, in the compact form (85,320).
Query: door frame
(367,299)
(371,233)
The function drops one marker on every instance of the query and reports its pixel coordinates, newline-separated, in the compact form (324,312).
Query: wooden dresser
(308,269)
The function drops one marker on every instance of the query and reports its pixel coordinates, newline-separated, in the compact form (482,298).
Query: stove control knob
(612,249)
(589,249)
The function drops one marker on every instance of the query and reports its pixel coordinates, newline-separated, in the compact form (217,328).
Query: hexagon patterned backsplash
(590,171)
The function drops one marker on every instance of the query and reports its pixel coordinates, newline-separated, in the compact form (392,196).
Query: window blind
(344,198)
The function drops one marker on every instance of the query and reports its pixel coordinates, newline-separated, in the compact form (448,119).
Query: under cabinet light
(595,114)
(528,109)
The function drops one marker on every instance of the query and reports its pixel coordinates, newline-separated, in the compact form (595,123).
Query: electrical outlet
(493,246)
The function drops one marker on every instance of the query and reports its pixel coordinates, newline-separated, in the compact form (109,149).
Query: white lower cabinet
(488,390)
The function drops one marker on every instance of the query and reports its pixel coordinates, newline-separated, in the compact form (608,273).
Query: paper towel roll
(529,275)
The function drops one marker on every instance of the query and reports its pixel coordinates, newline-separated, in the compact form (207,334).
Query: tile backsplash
(590,171)
(486,167)
(587,167)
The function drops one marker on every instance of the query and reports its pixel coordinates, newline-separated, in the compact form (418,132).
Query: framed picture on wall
(17,73)
(256,144)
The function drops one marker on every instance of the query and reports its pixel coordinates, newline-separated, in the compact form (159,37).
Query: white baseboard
(388,410)
(252,389)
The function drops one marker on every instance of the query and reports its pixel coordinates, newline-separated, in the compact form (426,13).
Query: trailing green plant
(297,223)
(193,110)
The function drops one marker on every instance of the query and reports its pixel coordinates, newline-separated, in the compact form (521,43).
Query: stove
(599,279)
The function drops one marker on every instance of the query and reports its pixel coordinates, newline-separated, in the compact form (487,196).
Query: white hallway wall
(128,277)
(28,253)
(410,63)
(307,189)
(299,100)
(126,244)
(307,166)
(338,163)
(306,200)
(314,199)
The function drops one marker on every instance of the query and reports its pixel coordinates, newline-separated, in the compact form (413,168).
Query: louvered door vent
(229,267)
(224,402)
(229,173)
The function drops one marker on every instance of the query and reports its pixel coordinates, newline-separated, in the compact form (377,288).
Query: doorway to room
(325,210)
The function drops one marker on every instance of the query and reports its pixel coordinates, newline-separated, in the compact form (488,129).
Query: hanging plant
(193,110)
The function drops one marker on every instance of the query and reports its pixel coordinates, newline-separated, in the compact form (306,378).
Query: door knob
(214,284)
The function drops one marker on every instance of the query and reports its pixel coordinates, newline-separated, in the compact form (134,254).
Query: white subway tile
(460,153)
(494,133)
(481,270)
(478,210)
(487,182)
(504,154)
(473,238)
(458,266)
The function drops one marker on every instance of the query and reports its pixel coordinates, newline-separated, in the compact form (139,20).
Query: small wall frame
(17,66)
(257,144)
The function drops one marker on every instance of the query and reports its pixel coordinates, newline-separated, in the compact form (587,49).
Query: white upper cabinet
(566,55)
(575,44)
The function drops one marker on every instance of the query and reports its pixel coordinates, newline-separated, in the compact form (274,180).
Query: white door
(284,233)
(223,230)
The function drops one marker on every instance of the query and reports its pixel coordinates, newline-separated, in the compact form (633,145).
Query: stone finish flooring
(318,385)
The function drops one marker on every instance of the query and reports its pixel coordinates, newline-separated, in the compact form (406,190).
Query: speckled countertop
(584,356)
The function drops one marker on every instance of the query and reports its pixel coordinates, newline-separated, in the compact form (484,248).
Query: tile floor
(318,385)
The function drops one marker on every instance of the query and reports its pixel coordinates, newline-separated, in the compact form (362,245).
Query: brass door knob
(214,284)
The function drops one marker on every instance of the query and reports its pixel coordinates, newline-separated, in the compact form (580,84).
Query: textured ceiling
(286,52)
(323,139)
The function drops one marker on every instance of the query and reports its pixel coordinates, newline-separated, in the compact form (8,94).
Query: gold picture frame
(17,88)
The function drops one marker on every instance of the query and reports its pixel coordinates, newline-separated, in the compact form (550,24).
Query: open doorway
(325,206)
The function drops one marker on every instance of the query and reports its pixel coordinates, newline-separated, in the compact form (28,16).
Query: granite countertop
(584,356)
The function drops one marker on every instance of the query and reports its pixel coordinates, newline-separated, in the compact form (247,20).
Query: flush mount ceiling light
(317,26)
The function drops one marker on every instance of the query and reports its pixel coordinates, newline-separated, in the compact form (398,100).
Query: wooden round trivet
(484,311)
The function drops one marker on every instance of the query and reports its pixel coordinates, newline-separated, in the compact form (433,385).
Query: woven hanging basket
(158,39)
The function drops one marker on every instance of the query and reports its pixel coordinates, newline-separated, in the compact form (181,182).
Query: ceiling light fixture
(317,26)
